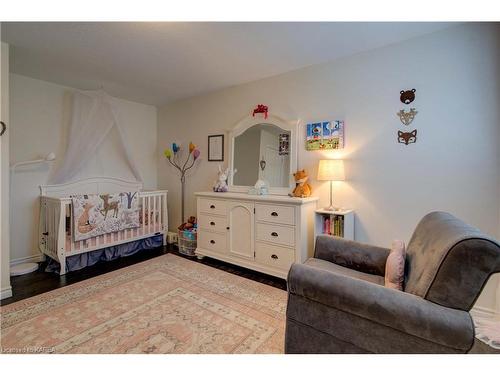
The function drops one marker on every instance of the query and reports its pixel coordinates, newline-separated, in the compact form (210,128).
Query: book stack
(333,225)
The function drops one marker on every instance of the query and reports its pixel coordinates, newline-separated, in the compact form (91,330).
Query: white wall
(454,166)
(5,288)
(40,115)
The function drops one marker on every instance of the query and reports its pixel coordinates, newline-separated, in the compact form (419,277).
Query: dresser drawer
(275,233)
(212,206)
(212,241)
(213,223)
(274,256)
(275,214)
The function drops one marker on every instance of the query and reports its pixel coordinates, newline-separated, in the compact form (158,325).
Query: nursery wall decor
(325,135)
(407,96)
(216,147)
(406,118)
(173,157)
(261,108)
(407,137)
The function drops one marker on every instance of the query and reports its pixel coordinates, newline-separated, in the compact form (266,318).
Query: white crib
(56,238)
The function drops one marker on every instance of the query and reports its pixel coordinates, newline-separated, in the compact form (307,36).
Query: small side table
(339,223)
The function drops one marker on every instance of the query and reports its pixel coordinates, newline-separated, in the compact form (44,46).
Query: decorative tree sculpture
(173,157)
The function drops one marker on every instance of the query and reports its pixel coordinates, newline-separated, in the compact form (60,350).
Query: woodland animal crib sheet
(95,214)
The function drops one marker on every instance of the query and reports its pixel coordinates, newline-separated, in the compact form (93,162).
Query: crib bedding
(79,261)
(98,214)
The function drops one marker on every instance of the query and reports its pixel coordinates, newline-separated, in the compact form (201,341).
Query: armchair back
(448,262)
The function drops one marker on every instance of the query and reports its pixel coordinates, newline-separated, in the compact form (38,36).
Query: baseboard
(31,259)
(6,292)
(485,312)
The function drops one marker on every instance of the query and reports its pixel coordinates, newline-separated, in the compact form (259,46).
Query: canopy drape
(94,114)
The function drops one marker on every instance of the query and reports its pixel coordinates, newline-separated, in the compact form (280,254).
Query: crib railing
(56,237)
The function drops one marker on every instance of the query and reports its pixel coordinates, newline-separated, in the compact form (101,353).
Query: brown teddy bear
(302,188)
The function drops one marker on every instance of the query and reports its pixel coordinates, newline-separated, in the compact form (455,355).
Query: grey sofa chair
(337,302)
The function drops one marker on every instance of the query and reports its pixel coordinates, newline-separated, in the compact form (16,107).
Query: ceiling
(157,63)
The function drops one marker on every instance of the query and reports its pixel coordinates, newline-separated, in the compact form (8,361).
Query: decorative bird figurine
(175,148)
(167,153)
(192,147)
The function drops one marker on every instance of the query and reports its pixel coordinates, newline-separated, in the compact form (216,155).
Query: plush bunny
(221,185)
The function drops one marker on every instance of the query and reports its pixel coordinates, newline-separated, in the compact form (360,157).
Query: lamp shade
(331,170)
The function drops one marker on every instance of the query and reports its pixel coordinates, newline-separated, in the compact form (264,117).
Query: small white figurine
(221,185)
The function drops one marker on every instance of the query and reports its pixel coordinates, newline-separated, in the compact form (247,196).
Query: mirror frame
(272,119)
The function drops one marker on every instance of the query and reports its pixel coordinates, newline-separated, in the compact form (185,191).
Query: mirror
(262,152)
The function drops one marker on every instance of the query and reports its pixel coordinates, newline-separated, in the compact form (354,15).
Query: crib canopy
(95,113)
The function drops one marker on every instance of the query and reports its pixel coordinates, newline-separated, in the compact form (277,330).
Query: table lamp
(331,170)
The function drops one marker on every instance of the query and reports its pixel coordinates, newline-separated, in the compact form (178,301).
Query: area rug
(164,305)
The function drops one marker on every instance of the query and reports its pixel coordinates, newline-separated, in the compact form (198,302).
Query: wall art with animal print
(407,137)
(407,117)
(94,214)
(325,135)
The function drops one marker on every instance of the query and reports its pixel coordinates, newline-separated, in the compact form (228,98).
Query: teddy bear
(302,188)
(407,96)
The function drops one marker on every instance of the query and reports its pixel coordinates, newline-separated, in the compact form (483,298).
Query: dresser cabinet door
(241,229)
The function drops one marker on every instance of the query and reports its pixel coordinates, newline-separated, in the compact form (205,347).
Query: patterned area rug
(164,305)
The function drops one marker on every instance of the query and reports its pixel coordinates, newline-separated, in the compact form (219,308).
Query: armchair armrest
(351,254)
(398,310)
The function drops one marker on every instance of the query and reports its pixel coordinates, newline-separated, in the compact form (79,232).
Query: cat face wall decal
(407,137)
(407,96)
(407,117)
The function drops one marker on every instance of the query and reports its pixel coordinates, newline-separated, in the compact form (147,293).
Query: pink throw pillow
(395,266)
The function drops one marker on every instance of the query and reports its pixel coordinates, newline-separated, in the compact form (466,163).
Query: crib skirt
(79,261)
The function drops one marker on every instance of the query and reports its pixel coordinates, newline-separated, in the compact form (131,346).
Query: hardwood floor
(38,282)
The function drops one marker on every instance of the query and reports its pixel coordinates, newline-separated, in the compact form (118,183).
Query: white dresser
(263,233)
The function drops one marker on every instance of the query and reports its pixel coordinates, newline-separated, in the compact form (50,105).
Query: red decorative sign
(261,108)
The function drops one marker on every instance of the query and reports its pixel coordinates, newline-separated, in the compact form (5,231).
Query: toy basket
(186,242)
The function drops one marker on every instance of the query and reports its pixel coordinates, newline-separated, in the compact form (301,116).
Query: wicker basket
(186,242)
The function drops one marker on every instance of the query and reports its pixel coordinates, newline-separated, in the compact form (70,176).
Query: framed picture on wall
(216,147)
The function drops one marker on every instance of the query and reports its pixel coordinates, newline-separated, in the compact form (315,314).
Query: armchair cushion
(350,254)
(382,307)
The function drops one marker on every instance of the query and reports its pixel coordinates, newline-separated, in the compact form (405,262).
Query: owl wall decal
(407,137)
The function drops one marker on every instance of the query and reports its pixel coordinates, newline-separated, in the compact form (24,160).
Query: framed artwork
(216,147)
(325,135)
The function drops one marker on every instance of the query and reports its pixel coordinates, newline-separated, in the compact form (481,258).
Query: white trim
(272,119)
(6,293)
(30,259)
(485,312)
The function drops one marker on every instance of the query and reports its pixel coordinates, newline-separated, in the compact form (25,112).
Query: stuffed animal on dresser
(302,188)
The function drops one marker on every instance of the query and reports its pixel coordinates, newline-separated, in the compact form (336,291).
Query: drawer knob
(212,242)
(227,228)
(212,223)
(212,206)
(274,234)
(274,213)
(274,256)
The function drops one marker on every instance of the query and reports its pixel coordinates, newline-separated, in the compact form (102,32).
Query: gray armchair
(337,302)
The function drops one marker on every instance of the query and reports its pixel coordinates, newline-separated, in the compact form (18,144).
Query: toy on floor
(302,188)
